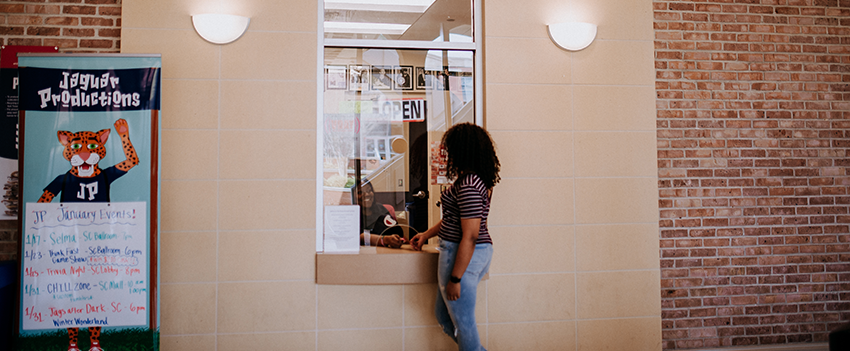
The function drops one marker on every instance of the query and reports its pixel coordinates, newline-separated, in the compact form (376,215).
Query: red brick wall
(753,111)
(72,25)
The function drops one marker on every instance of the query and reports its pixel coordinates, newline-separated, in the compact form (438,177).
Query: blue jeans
(458,317)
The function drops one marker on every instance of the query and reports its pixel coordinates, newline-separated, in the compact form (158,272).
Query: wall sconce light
(220,29)
(572,36)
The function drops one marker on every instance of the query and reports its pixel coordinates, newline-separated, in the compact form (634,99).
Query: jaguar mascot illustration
(87,182)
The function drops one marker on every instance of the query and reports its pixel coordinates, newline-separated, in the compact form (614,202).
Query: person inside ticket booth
(375,218)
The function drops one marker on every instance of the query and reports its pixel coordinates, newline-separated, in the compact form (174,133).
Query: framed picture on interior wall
(403,78)
(440,79)
(336,78)
(382,78)
(422,78)
(358,77)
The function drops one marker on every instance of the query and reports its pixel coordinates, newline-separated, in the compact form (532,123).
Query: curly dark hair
(470,149)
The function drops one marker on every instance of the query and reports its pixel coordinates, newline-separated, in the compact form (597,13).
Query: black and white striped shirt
(466,198)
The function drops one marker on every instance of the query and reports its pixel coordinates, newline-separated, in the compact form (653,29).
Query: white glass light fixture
(572,36)
(220,29)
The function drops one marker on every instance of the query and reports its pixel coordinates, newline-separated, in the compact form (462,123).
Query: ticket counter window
(396,75)
(384,114)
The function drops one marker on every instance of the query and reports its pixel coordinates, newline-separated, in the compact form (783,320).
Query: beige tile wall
(576,256)
(574,219)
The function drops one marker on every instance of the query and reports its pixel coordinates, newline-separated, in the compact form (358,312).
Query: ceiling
(398,19)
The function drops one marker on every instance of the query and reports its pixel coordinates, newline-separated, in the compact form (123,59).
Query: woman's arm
(470,228)
(420,239)
(393,241)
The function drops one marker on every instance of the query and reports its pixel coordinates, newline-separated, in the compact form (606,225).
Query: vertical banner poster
(89,194)
(9,208)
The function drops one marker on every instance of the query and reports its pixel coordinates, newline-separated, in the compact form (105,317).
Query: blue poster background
(43,152)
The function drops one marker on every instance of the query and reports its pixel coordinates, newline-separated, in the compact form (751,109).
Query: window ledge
(380,266)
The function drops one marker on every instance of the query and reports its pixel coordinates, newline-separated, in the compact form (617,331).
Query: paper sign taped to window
(342,229)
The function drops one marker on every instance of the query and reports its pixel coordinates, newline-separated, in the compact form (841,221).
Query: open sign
(407,110)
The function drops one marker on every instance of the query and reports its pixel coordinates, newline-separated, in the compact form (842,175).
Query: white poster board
(85,265)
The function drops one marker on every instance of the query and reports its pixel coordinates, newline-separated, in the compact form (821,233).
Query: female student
(465,245)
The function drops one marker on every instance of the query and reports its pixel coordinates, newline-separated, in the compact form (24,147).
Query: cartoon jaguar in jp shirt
(86,181)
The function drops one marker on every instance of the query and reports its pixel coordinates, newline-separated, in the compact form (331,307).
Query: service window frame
(475,47)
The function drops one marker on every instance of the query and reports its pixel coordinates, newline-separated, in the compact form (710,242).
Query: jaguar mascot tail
(86,182)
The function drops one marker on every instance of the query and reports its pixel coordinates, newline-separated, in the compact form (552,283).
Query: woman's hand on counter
(417,241)
(420,239)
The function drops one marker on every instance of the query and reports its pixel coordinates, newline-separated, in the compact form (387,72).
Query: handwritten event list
(84,264)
